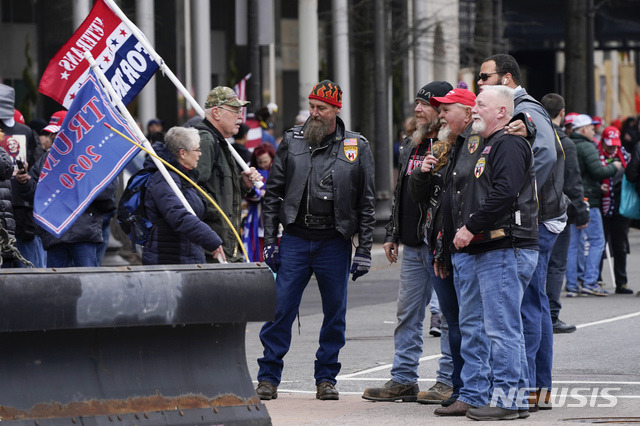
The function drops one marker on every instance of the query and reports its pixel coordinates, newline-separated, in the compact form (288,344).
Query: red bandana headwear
(327,91)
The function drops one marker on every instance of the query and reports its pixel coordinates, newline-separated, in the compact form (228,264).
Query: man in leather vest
(495,214)
(549,162)
(321,190)
(406,225)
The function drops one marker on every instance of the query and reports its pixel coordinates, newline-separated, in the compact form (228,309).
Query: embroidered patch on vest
(351,152)
(473,143)
(479,167)
(486,150)
(351,142)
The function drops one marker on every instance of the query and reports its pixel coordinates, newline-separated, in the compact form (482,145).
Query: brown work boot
(267,390)
(458,408)
(436,394)
(392,391)
(326,391)
(544,399)
(533,402)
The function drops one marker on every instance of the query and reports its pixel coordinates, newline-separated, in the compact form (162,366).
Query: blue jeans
(536,316)
(595,236)
(556,271)
(329,260)
(490,288)
(414,294)
(434,304)
(32,251)
(63,255)
(450,343)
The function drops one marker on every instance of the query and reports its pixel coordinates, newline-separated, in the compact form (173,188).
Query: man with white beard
(494,210)
(406,226)
(427,186)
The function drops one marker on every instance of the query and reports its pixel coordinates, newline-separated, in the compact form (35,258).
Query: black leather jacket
(393,225)
(353,184)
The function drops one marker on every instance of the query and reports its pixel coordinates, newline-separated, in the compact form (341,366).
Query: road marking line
(555,382)
(383,367)
(621,317)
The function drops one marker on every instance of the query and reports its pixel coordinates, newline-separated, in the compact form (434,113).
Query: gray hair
(504,94)
(178,138)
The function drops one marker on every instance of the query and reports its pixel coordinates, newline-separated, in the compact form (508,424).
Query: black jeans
(616,234)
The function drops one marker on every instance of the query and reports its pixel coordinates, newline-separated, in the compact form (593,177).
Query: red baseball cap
(17,116)
(597,120)
(568,119)
(55,122)
(611,136)
(455,96)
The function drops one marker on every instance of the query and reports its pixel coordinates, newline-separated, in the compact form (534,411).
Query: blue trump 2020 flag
(85,157)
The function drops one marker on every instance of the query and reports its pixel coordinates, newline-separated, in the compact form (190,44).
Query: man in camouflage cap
(219,174)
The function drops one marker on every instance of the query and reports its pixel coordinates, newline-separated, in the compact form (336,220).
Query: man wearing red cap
(321,190)
(426,187)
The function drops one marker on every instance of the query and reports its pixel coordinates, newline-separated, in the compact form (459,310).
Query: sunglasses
(484,76)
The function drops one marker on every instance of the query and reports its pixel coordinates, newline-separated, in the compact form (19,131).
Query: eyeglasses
(235,111)
(484,76)
(189,150)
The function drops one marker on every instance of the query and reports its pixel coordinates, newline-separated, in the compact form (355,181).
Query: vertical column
(308,49)
(81,10)
(341,56)
(200,18)
(147,97)
(423,72)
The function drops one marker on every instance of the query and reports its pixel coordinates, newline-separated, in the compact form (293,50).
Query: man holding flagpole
(219,174)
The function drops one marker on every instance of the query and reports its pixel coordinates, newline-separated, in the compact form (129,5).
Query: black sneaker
(560,327)
(623,289)
(436,324)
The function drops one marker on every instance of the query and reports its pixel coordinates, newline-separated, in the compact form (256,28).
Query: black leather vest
(521,221)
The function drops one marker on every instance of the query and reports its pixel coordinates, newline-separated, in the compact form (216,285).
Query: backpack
(132,215)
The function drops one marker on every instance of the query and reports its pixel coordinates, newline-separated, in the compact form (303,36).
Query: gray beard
(479,126)
(444,132)
(316,131)
(422,131)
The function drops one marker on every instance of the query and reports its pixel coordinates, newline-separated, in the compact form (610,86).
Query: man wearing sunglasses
(548,156)
(218,172)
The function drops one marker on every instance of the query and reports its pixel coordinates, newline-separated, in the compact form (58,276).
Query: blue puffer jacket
(177,236)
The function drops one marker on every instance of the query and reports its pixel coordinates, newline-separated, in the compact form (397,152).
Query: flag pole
(132,123)
(167,71)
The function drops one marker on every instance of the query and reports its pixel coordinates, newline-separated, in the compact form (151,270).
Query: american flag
(241,91)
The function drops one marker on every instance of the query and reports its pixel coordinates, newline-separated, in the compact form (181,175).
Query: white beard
(479,126)
(444,132)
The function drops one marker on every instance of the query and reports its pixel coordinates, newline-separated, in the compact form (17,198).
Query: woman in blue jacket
(178,236)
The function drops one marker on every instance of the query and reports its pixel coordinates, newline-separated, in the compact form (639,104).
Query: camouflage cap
(223,95)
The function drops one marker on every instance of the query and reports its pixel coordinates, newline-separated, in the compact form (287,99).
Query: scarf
(607,203)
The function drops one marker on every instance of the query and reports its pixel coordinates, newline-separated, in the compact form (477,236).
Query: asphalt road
(600,358)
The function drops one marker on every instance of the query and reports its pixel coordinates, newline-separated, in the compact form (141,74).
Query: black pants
(616,234)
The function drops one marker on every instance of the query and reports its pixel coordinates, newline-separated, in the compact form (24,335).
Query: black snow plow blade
(160,345)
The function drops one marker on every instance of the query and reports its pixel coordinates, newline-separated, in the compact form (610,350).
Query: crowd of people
(500,199)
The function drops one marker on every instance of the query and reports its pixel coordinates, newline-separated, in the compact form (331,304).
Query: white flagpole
(132,123)
(165,70)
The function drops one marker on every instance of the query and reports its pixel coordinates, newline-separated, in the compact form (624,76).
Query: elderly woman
(178,236)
